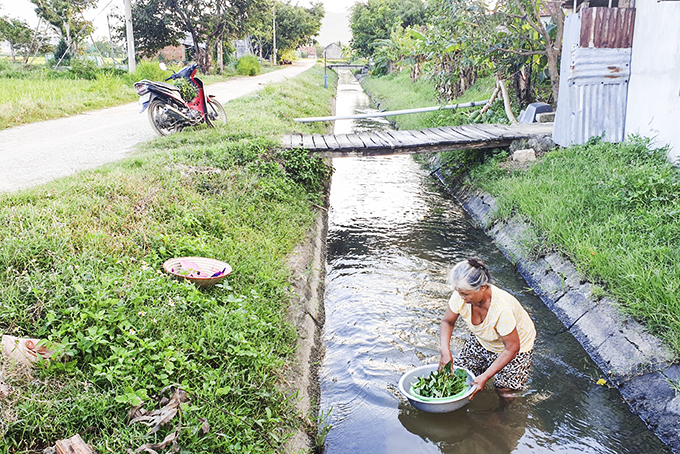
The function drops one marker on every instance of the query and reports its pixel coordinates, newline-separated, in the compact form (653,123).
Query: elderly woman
(503,334)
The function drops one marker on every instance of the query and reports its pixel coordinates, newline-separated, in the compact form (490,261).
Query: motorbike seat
(164,86)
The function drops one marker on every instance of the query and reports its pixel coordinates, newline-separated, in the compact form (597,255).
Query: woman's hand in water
(478,383)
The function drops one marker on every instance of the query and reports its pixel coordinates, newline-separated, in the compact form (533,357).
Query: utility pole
(274,27)
(132,64)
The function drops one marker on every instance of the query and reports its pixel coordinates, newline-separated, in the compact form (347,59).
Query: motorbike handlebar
(184,73)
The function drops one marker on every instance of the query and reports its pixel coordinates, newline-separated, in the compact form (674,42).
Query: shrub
(248,66)
(148,70)
(83,69)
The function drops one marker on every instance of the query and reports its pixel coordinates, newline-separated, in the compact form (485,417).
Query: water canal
(393,234)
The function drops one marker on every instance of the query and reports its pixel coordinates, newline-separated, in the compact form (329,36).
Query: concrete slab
(649,396)
(573,305)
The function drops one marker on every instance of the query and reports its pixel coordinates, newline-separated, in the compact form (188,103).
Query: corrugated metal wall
(594,79)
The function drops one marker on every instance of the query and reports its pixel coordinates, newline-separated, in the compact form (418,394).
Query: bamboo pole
(391,113)
(506,100)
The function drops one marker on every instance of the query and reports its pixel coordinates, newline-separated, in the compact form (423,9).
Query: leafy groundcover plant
(80,265)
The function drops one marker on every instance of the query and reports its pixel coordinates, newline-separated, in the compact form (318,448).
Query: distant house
(307,51)
(333,51)
(174,53)
(619,74)
(182,53)
(243,47)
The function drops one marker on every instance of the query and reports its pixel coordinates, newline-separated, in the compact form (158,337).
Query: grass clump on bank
(80,265)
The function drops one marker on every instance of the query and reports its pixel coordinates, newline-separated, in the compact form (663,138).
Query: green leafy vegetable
(444,383)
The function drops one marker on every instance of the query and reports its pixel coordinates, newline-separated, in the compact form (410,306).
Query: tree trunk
(506,100)
(554,71)
(522,84)
(220,56)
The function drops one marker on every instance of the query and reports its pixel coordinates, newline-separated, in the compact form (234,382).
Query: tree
(66,16)
(154,28)
(208,22)
(529,36)
(375,20)
(295,26)
(17,33)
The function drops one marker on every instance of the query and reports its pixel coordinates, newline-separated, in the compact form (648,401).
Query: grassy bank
(397,91)
(80,265)
(614,210)
(38,93)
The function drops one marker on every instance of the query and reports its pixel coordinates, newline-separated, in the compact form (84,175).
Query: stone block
(514,239)
(649,396)
(565,269)
(547,285)
(545,117)
(573,305)
(525,155)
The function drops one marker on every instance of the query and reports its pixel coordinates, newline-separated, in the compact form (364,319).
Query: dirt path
(36,153)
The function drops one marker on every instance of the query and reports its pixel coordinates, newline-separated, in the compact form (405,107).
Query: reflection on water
(392,236)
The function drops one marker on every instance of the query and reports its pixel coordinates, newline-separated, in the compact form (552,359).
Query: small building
(307,51)
(333,51)
(243,47)
(619,74)
(174,53)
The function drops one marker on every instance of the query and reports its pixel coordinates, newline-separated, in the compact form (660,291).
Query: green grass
(80,265)
(614,210)
(29,100)
(397,91)
(38,94)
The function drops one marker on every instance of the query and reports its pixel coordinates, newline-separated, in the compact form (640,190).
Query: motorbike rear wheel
(161,122)
(216,114)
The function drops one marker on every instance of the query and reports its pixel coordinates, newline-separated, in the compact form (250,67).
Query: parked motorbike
(169,112)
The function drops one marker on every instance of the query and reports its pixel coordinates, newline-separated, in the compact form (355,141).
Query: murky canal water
(393,234)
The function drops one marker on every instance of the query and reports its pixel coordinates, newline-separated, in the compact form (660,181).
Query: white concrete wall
(654,90)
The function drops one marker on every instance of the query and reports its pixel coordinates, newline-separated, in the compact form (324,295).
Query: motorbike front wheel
(161,122)
(216,114)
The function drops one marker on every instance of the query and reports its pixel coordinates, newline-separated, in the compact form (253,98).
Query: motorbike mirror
(163,66)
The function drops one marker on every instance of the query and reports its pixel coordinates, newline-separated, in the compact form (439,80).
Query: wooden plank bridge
(346,66)
(431,140)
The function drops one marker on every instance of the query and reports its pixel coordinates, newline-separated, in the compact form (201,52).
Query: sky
(24,9)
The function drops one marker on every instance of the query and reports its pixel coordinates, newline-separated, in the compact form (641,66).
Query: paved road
(36,153)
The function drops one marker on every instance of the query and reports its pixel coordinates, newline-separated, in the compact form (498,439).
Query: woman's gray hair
(469,274)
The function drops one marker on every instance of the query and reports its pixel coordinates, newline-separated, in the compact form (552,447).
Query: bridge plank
(465,132)
(452,135)
(296,140)
(497,130)
(319,142)
(343,142)
(331,142)
(406,139)
(477,131)
(428,138)
(370,140)
(385,138)
(355,141)
(307,142)
(379,140)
